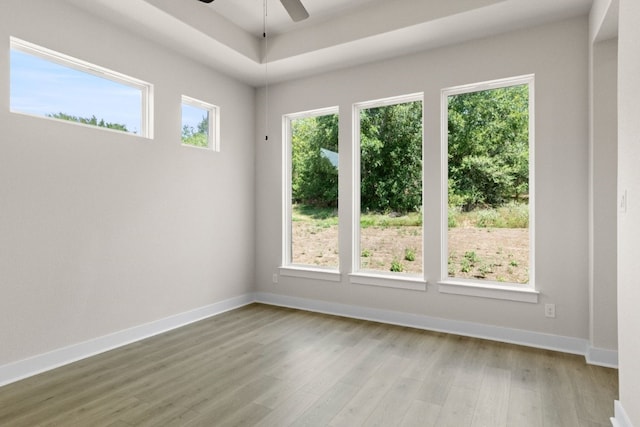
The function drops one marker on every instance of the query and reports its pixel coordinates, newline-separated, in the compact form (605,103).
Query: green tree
(391,158)
(198,136)
(488,146)
(314,177)
(89,121)
(488,153)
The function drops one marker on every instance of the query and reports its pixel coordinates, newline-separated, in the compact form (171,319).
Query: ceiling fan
(294,8)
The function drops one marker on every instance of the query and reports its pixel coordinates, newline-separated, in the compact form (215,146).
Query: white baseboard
(602,357)
(621,419)
(28,367)
(495,333)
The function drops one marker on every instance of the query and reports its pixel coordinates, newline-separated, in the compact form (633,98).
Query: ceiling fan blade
(295,9)
(206,1)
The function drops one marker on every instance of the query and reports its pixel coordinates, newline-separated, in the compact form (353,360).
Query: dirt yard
(495,254)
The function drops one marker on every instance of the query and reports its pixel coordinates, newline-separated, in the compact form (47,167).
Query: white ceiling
(227,34)
(249,14)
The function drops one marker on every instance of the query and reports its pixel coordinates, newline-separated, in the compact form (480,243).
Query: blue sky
(41,87)
(192,116)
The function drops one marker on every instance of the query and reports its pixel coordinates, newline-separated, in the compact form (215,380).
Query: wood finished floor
(268,366)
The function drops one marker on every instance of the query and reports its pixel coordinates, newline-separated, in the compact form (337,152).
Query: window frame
(474,287)
(145,88)
(374,277)
(287,268)
(213,136)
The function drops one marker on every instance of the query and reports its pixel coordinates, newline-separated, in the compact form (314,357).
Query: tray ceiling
(227,34)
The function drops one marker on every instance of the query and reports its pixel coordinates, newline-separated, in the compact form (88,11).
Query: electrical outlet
(550,310)
(275,278)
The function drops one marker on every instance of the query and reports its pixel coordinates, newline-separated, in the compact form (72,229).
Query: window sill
(489,290)
(311,273)
(195,147)
(389,281)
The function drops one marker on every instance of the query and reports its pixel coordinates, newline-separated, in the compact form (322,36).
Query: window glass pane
(391,236)
(195,126)
(488,185)
(314,191)
(45,88)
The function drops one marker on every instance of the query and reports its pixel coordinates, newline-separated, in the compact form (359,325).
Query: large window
(388,183)
(53,85)
(311,190)
(489,182)
(200,124)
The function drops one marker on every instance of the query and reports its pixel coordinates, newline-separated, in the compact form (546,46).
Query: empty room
(319,213)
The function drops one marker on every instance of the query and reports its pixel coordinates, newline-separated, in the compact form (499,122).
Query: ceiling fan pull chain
(266,72)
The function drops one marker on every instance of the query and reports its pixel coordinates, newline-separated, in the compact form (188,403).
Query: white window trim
(288,268)
(308,272)
(213,137)
(146,89)
(370,277)
(389,280)
(508,291)
(494,290)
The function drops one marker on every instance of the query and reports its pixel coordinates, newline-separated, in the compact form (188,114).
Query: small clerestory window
(53,85)
(200,124)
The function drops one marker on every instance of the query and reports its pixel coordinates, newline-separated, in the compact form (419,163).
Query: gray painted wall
(629,222)
(558,55)
(604,193)
(100,231)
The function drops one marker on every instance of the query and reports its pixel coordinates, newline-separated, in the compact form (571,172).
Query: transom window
(200,124)
(53,85)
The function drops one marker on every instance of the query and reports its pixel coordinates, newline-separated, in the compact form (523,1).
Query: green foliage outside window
(199,136)
(93,121)
(314,177)
(488,151)
(488,154)
(391,158)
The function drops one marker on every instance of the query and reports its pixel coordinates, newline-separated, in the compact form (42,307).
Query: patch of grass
(315,212)
(396,266)
(472,257)
(321,217)
(466,265)
(453,214)
(366,253)
(409,254)
(366,221)
(516,215)
(510,215)
(485,269)
(383,220)
(489,218)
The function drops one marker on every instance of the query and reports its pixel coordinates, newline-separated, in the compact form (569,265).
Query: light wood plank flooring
(269,366)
